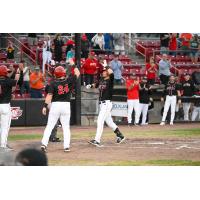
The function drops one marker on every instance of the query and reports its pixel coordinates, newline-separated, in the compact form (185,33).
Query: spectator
(31,157)
(32,38)
(118,42)
(188,90)
(58,44)
(70,54)
(108,42)
(132,86)
(36,83)
(185,42)
(46,54)
(173,44)
(90,68)
(89,37)
(194,47)
(164,43)
(98,43)
(12,72)
(10,52)
(151,69)
(84,46)
(164,69)
(117,67)
(20,81)
(25,72)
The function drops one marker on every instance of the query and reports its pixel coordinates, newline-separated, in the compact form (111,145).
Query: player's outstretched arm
(46,103)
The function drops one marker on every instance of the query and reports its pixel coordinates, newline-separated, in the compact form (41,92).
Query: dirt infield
(143,145)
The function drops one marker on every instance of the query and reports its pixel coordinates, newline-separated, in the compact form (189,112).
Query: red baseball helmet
(59,72)
(3,70)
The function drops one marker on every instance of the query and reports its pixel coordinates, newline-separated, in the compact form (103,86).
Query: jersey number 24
(63,89)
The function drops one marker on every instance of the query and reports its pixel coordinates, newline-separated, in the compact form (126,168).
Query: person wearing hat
(132,86)
(36,83)
(171,94)
(85,45)
(90,68)
(188,90)
(144,97)
(105,85)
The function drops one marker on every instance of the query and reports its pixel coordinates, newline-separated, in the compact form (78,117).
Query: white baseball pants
(195,113)
(186,108)
(144,110)
(133,104)
(104,116)
(5,120)
(58,110)
(170,101)
(46,56)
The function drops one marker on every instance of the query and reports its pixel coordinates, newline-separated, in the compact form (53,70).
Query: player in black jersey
(172,94)
(7,85)
(59,95)
(105,86)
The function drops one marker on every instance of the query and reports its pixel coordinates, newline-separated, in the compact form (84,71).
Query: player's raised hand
(76,72)
(44,111)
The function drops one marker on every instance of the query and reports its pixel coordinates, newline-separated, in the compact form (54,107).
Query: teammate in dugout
(59,95)
(7,85)
(188,90)
(144,94)
(172,93)
(105,86)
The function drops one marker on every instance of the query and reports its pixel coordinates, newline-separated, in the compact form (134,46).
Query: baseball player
(188,90)
(59,94)
(132,86)
(7,85)
(144,94)
(196,110)
(171,92)
(105,86)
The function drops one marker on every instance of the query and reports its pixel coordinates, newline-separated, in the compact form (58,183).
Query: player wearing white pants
(6,86)
(133,104)
(196,111)
(132,86)
(59,93)
(46,53)
(105,86)
(104,116)
(188,91)
(171,91)
(144,95)
(5,120)
(62,111)
(186,108)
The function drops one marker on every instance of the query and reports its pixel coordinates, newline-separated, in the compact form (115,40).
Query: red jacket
(90,66)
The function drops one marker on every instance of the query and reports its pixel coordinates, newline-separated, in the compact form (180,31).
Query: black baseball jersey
(105,88)
(61,89)
(144,93)
(6,85)
(188,88)
(171,89)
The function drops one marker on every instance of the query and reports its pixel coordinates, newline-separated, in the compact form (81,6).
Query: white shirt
(26,74)
(98,40)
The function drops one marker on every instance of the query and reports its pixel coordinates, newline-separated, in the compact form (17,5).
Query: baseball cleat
(162,123)
(120,139)
(66,149)
(43,148)
(171,123)
(95,143)
(7,148)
